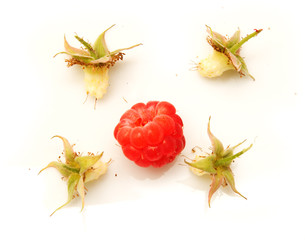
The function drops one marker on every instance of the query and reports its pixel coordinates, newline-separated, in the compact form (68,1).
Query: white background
(41,97)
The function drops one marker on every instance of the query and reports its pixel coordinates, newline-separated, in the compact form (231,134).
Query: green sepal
(235,38)
(244,69)
(61,167)
(85,162)
(122,49)
(87,46)
(235,60)
(72,184)
(225,162)
(85,59)
(205,164)
(68,149)
(230,150)
(217,146)
(73,50)
(81,191)
(100,46)
(227,173)
(216,40)
(217,181)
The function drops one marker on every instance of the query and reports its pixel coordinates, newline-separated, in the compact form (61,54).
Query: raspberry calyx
(217,164)
(77,170)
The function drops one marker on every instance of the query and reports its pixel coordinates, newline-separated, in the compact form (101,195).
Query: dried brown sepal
(73,61)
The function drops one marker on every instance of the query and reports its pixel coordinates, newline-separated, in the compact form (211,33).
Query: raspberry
(150,134)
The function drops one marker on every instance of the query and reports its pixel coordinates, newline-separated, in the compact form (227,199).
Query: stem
(236,46)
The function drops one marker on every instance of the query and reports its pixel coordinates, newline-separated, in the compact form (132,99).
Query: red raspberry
(150,134)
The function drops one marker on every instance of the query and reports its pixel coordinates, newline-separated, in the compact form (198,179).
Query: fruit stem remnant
(217,164)
(96,61)
(226,54)
(78,170)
